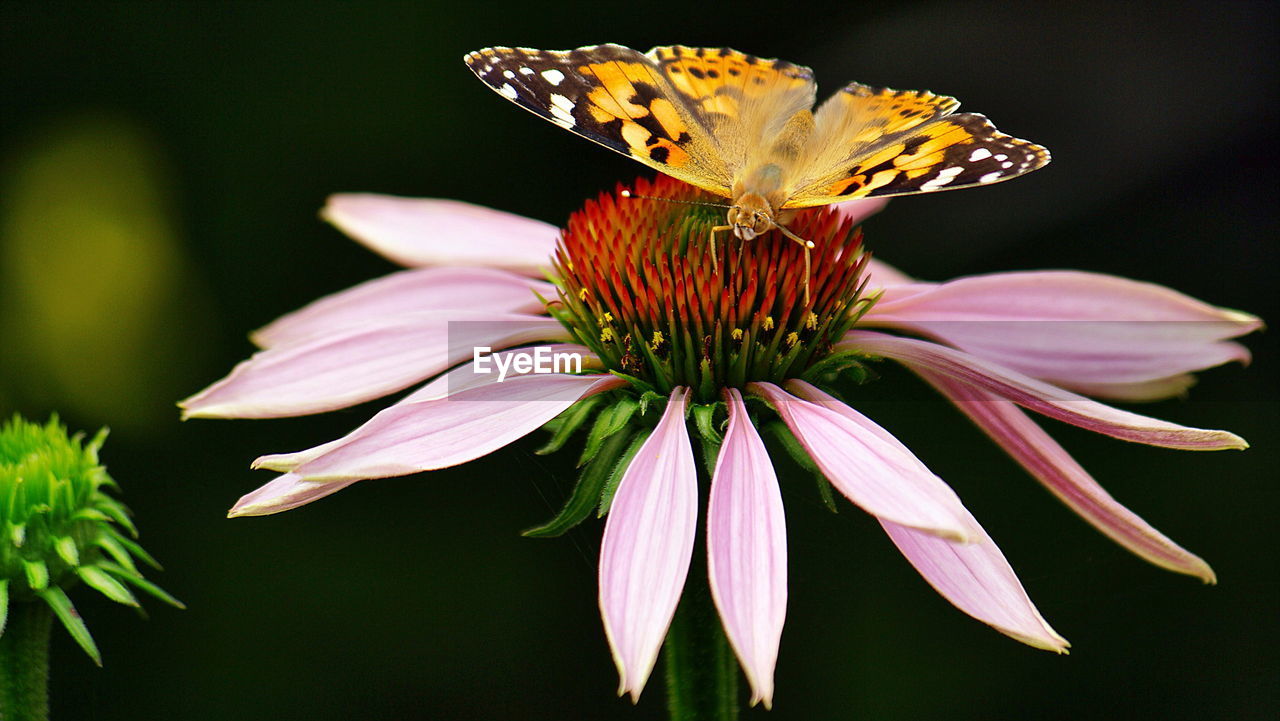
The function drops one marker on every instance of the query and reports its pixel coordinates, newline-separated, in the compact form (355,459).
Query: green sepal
(704,417)
(133,548)
(116,550)
(847,363)
(710,454)
(857,375)
(610,421)
(568,423)
(619,468)
(586,493)
(636,383)
(141,583)
(66,613)
(4,604)
(67,551)
(37,574)
(118,514)
(99,580)
(825,493)
(91,514)
(650,397)
(792,445)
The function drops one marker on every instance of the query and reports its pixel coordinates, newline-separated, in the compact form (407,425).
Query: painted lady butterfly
(743,127)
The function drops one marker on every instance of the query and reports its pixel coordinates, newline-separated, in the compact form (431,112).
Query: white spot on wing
(553,76)
(944,176)
(1002,156)
(562,110)
(991,177)
(979,154)
(508,74)
(526,71)
(508,91)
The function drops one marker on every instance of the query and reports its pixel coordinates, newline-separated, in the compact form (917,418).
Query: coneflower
(673,341)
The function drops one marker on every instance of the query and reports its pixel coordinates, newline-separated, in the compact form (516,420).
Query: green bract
(60,527)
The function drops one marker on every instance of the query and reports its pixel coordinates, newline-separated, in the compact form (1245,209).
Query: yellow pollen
(768,323)
(657,340)
(792,339)
(811,321)
(606,318)
(606,335)
(582,295)
(736,334)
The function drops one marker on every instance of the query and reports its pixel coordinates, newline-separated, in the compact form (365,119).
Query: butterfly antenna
(629,194)
(715,262)
(808,246)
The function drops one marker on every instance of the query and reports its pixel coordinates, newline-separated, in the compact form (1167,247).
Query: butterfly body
(745,127)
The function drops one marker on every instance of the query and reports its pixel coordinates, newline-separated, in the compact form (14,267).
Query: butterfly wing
(744,100)
(615,96)
(871,142)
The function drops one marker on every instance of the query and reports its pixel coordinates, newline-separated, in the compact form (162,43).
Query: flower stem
(702,673)
(24,663)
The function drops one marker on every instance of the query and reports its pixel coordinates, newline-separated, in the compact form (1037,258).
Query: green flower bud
(58,527)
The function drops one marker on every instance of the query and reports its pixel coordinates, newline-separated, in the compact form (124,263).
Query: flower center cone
(640,287)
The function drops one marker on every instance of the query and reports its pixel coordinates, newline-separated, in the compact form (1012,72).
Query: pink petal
(357,364)
(407,292)
(285,462)
(434,434)
(884,478)
(429,231)
(975,576)
(977,579)
(462,378)
(1036,395)
(1030,446)
(282,494)
(1069,327)
(647,545)
(857,211)
(747,549)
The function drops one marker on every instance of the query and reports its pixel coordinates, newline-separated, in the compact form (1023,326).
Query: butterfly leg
(808,246)
(715,259)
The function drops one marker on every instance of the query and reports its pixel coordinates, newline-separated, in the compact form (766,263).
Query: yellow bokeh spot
(96,311)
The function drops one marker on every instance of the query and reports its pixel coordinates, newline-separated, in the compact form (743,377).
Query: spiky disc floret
(640,288)
(59,527)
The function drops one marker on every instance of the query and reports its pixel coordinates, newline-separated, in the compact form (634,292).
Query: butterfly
(744,127)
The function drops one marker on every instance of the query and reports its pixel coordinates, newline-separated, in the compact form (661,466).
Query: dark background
(162,165)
